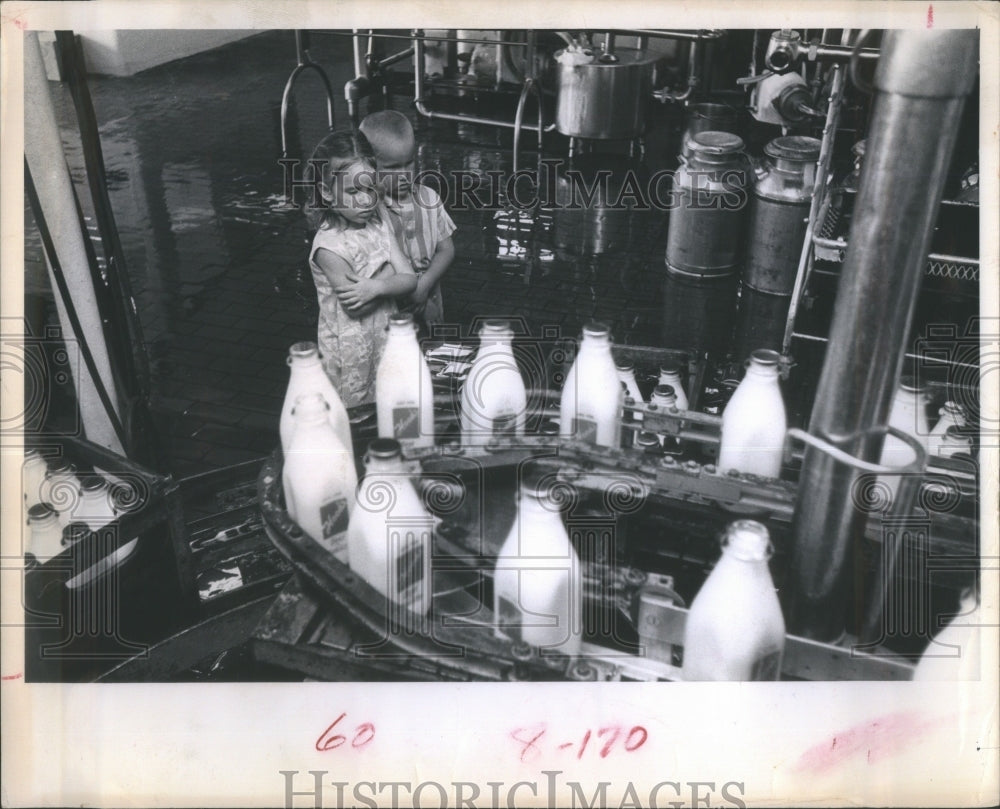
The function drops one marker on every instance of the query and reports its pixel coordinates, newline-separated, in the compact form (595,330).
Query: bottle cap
(74,532)
(40,511)
(549,427)
(309,405)
(92,483)
(955,433)
(765,357)
(625,365)
(384,449)
(748,540)
(665,392)
(670,367)
(596,329)
(646,440)
(303,350)
(61,466)
(952,409)
(401,319)
(495,325)
(910,384)
(32,455)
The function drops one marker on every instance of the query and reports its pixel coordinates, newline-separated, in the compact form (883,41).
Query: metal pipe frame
(420,103)
(304,62)
(922,80)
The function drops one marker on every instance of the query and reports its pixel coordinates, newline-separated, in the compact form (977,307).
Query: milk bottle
(319,477)
(404,395)
(537,586)
(494,400)
(735,629)
(592,395)
(390,532)
(307,376)
(670,374)
(754,422)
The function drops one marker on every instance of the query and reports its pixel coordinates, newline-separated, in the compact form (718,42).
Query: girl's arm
(356,293)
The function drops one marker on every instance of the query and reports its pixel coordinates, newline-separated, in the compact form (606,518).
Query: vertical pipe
(44,153)
(921,83)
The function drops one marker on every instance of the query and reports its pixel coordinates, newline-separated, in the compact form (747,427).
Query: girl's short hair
(338,150)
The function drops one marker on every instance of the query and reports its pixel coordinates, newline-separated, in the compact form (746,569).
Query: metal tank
(607,98)
(779,210)
(709,207)
(588,217)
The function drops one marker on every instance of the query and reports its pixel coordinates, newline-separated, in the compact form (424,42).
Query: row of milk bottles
(60,507)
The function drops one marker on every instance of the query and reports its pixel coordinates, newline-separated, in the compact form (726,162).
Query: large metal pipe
(43,151)
(921,83)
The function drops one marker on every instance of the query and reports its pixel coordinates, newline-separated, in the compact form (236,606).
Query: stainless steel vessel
(779,211)
(607,98)
(709,207)
(708,116)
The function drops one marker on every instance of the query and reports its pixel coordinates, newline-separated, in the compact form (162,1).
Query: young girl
(357,264)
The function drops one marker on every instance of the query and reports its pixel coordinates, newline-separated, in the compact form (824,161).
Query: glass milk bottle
(45,537)
(735,629)
(592,396)
(954,442)
(62,490)
(390,532)
(404,395)
(626,375)
(954,653)
(95,507)
(319,477)
(670,374)
(33,473)
(494,400)
(754,421)
(666,400)
(537,586)
(307,376)
(951,415)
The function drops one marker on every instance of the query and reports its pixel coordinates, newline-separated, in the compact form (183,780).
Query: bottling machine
(812,216)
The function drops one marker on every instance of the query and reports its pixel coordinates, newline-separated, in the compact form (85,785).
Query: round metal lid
(384,448)
(596,329)
(624,365)
(92,483)
(401,318)
(910,384)
(664,392)
(793,147)
(646,440)
(713,142)
(670,367)
(303,350)
(765,356)
(495,325)
(40,511)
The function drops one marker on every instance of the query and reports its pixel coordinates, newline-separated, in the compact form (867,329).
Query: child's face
(394,162)
(355,193)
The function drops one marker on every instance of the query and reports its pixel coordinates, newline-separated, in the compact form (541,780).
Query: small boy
(416,213)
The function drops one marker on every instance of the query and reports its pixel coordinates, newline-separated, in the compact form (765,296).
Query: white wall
(122,53)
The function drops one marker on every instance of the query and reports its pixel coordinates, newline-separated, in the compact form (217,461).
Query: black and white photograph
(539,415)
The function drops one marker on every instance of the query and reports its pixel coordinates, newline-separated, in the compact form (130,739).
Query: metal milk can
(709,207)
(779,211)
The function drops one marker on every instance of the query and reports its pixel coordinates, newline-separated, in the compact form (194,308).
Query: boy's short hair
(386,126)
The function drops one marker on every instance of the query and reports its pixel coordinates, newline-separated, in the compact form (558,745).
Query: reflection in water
(761,321)
(698,312)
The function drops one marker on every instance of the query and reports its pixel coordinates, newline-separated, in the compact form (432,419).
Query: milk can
(779,210)
(709,207)
(707,116)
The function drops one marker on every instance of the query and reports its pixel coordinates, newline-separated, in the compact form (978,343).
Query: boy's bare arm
(444,255)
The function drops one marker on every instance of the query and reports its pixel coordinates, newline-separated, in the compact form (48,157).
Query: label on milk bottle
(585,429)
(509,618)
(505,426)
(410,573)
(334,517)
(767,667)
(405,422)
